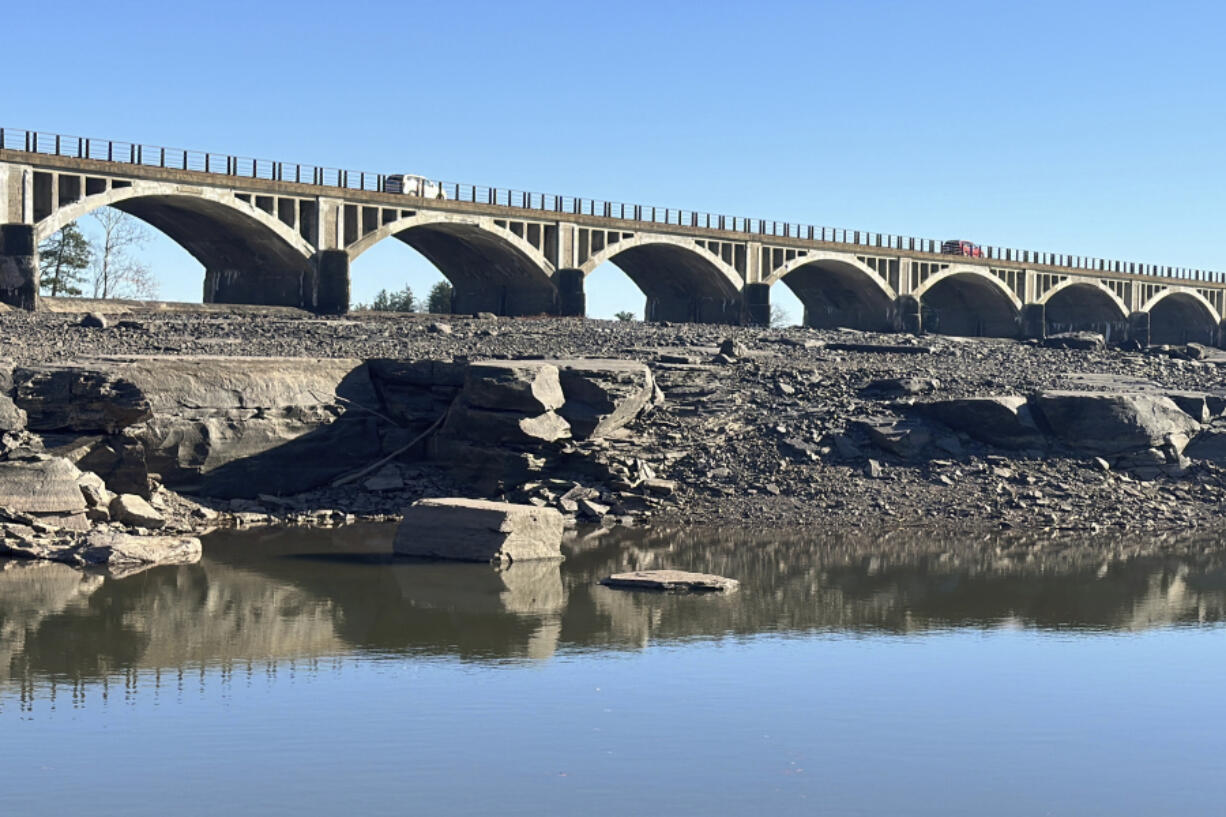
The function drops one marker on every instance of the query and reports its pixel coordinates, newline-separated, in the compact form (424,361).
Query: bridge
(271,232)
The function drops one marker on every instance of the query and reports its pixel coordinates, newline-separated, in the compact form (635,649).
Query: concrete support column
(572,301)
(1138,327)
(907,314)
(331,290)
(18,266)
(757,298)
(1034,321)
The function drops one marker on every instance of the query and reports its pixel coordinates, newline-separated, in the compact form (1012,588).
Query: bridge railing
(230,165)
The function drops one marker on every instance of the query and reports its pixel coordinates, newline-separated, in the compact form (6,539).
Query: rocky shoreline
(206,419)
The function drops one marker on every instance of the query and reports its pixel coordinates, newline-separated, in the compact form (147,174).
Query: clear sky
(1092,128)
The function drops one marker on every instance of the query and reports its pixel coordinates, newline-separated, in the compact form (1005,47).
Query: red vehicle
(966,248)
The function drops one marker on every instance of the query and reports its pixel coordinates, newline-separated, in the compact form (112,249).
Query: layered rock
(225,427)
(477,530)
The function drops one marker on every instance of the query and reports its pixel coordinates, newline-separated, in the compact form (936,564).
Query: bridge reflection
(263,601)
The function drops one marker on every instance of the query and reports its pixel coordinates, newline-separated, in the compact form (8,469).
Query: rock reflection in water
(276,596)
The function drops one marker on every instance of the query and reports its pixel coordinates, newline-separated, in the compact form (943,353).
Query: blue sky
(1091,128)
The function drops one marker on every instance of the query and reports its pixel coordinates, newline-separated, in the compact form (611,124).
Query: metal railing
(240,166)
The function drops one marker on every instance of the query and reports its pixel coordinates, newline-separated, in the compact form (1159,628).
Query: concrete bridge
(279,233)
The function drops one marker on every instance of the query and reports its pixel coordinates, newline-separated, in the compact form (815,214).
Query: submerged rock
(671,580)
(478,530)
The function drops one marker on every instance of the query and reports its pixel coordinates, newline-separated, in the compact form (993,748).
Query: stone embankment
(163,425)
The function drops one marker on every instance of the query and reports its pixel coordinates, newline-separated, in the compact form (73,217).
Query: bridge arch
(1080,305)
(969,301)
(838,289)
(491,269)
(249,256)
(682,281)
(1180,315)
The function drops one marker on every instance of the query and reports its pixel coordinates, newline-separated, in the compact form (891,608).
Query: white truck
(411,185)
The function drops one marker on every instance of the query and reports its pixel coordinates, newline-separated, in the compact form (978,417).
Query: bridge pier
(907,315)
(1034,321)
(330,293)
(1138,327)
(757,303)
(572,301)
(18,266)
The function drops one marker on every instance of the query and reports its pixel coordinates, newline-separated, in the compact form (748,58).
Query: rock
(486,316)
(591,509)
(900,386)
(671,580)
(1195,404)
(1003,421)
(219,426)
(905,437)
(81,398)
(873,470)
(732,348)
(386,478)
(524,386)
(93,320)
(477,530)
(97,497)
(11,418)
(880,348)
(45,486)
(439,328)
(1209,445)
(502,427)
(1113,424)
(660,487)
(133,510)
(1075,340)
(601,396)
(118,552)
(115,549)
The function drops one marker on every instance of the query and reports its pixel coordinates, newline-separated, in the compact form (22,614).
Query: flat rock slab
(671,580)
(478,530)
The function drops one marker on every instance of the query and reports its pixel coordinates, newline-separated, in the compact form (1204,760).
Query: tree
(624,317)
(117,274)
(64,259)
(779,317)
(439,301)
(402,301)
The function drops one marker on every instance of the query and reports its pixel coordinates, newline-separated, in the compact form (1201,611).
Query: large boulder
(220,426)
(521,386)
(478,530)
(1110,424)
(46,488)
(1003,421)
(601,396)
(85,398)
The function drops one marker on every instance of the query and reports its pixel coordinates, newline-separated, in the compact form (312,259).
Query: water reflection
(269,597)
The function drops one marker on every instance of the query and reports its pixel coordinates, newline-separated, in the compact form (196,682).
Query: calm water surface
(308,673)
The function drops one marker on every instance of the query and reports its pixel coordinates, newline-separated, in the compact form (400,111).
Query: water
(308,673)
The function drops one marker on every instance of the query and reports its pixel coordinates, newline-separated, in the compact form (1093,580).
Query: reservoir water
(299,672)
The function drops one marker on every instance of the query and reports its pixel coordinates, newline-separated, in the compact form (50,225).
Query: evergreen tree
(402,301)
(63,259)
(440,298)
